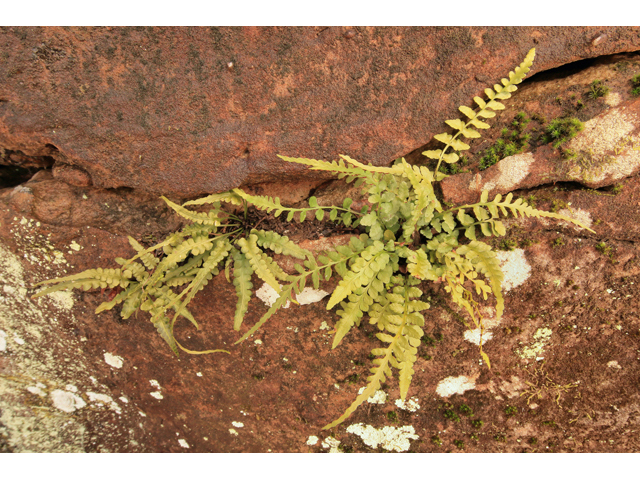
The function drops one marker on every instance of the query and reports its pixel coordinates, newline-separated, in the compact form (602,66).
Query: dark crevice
(17,168)
(568,69)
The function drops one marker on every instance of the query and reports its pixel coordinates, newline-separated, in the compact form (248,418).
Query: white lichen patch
(614,364)
(312,440)
(324,326)
(66,401)
(391,439)
(154,383)
(578,214)
(37,390)
(113,360)
(452,385)
(233,431)
(379,397)
(515,268)
(410,405)
(605,148)
(183,443)
(477,335)
(237,424)
(105,399)
(332,444)
(512,170)
(310,295)
(268,295)
(156,395)
(541,339)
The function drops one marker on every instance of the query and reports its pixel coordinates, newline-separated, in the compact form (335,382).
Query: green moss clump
(510,142)
(562,129)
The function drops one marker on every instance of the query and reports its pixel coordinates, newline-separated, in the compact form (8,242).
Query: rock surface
(187,111)
(564,355)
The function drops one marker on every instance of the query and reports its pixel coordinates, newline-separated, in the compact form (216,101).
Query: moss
(558,242)
(508,244)
(451,415)
(597,89)
(436,441)
(510,142)
(510,411)
(477,423)
(562,129)
(465,410)
(604,249)
(459,444)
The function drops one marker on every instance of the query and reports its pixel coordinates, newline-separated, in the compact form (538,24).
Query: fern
(409,238)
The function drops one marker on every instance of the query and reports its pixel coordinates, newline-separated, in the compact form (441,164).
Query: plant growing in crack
(409,237)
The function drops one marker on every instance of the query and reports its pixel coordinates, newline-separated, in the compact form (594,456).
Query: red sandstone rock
(185,111)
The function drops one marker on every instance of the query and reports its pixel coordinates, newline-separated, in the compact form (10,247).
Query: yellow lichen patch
(541,339)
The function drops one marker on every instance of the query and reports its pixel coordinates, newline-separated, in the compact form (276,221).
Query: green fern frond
(486,262)
(242,272)
(260,263)
(203,275)
(209,218)
(163,326)
(149,260)
(279,244)
(336,167)
(362,272)
(499,92)
(228,197)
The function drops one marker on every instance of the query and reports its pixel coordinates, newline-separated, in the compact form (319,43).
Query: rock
(188,111)
(604,152)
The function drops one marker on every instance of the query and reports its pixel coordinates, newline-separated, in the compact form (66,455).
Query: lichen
(391,439)
(541,339)
(515,268)
(452,385)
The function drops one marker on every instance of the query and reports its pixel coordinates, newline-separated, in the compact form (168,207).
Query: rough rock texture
(184,111)
(606,151)
(564,356)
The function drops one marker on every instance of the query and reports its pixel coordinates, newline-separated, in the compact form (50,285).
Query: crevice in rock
(17,168)
(568,69)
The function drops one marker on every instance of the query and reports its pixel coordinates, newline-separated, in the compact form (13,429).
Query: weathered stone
(187,111)
(605,152)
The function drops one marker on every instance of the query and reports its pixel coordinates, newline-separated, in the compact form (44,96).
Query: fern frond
(500,92)
(242,272)
(403,320)
(371,260)
(486,262)
(279,244)
(350,315)
(228,197)
(337,167)
(260,262)
(149,260)
(203,275)
(163,326)
(286,294)
(209,218)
